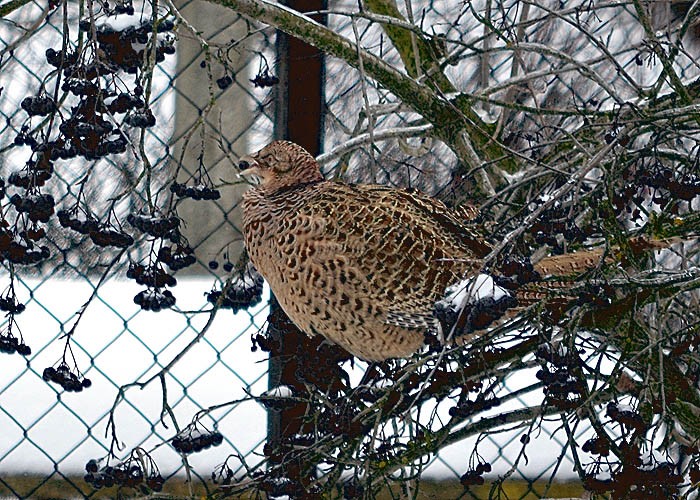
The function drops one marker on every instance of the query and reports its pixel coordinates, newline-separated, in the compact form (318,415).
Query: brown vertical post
(298,118)
(300,96)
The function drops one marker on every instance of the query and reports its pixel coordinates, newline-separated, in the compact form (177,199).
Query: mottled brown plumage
(362,265)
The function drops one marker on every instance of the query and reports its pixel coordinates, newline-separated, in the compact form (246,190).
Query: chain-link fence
(208,113)
(49,434)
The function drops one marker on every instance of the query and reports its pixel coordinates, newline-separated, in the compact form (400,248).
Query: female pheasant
(362,265)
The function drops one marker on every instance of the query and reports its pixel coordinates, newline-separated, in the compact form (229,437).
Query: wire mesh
(50,434)
(570,58)
(531,71)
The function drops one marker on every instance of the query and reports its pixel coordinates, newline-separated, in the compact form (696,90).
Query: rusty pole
(299,118)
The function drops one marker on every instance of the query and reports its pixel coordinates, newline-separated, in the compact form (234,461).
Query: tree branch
(12,6)
(403,41)
(450,122)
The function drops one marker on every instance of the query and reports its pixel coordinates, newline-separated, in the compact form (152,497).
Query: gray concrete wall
(211,225)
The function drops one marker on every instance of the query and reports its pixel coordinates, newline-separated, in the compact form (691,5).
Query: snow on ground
(117,343)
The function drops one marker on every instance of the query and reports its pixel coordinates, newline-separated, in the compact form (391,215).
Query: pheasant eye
(242,165)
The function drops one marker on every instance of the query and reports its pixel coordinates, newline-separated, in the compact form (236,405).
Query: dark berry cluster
(196,192)
(75,128)
(63,376)
(24,138)
(58,59)
(10,304)
(106,236)
(38,207)
(636,473)
(177,257)
(33,234)
(554,226)
(158,227)
(475,476)
(638,481)
(22,251)
(224,82)
(152,276)
(562,387)
(660,177)
(596,295)
(626,416)
(20,244)
(342,420)
(69,220)
(244,290)
(476,315)
(154,300)
(124,49)
(599,445)
(667,188)
(41,166)
(84,123)
(89,128)
(26,254)
(125,102)
(155,278)
(102,235)
(30,176)
(515,272)
(322,370)
(192,440)
(63,150)
(141,118)
(80,87)
(130,474)
(9,344)
(222,474)
(545,232)
(38,106)
(87,133)
(265,79)
(467,408)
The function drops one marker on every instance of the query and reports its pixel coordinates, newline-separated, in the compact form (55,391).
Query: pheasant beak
(249,169)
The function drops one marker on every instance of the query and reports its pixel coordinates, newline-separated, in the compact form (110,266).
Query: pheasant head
(280,165)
